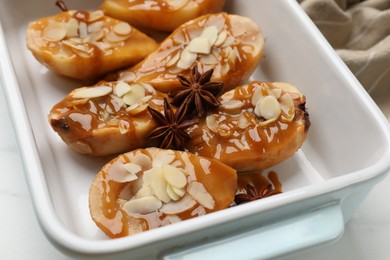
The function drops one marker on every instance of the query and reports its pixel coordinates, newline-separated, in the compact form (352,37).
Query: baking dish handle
(322,225)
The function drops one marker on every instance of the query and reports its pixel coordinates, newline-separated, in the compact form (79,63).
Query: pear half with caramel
(160,15)
(256,126)
(232,45)
(150,188)
(86,45)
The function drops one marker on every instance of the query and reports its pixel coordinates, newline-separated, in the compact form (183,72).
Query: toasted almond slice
(208,59)
(243,122)
(142,160)
(124,126)
(173,59)
(136,93)
(173,219)
(200,45)
(187,58)
(257,95)
(96,27)
(159,185)
(200,194)
(179,191)
(103,46)
(95,15)
(287,104)
(76,102)
(144,192)
(172,194)
(91,92)
(122,28)
(115,38)
(117,102)
(212,123)
(96,36)
(232,104)
(142,205)
(149,88)
(137,108)
(132,167)
(269,108)
(174,176)
(54,32)
(119,173)
(221,38)
(176,4)
(211,33)
(277,92)
(287,87)
(83,30)
(72,27)
(175,207)
(121,88)
(163,157)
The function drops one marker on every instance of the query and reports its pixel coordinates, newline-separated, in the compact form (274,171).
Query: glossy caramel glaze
(163,15)
(241,139)
(86,55)
(107,197)
(233,60)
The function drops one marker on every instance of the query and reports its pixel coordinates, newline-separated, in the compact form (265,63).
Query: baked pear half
(160,15)
(150,188)
(86,45)
(256,126)
(232,45)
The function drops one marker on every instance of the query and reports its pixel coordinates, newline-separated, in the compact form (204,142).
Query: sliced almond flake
(257,95)
(91,92)
(137,108)
(221,38)
(96,36)
(132,167)
(200,45)
(269,108)
(277,92)
(232,104)
(136,93)
(143,161)
(75,41)
(177,163)
(225,69)
(149,88)
(121,88)
(212,123)
(224,130)
(77,102)
(124,127)
(174,176)
(243,122)
(173,59)
(159,185)
(122,28)
(127,76)
(264,123)
(287,105)
(187,58)
(179,191)
(54,32)
(118,172)
(147,176)
(209,59)
(200,194)
(228,42)
(96,27)
(161,157)
(113,121)
(211,33)
(72,27)
(142,205)
(103,46)
(144,192)
(175,70)
(173,219)
(83,30)
(176,4)
(117,102)
(176,207)
(95,15)
(172,194)
(81,147)
(287,87)
(115,38)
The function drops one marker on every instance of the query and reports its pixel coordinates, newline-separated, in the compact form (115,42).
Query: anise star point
(252,194)
(197,92)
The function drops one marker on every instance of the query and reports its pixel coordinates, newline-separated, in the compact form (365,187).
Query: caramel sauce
(219,180)
(237,54)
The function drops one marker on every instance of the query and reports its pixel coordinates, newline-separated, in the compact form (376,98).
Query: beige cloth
(359,30)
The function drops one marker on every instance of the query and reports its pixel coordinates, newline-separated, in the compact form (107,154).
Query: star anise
(171,132)
(197,92)
(252,194)
(62,5)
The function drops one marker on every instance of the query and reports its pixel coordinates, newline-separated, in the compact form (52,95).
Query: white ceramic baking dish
(346,154)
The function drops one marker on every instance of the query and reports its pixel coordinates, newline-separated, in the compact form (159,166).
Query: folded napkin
(360,33)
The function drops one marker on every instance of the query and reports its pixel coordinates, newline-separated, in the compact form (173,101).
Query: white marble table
(367,235)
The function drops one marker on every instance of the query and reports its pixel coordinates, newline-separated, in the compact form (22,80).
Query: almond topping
(72,27)
(176,4)
(143,161)
(115,38)
(54,32)
(96,27)
(136,93)
(211,123)
(187,58)
(121,88)
(119,173)
(83,30)
(200,45)
(221,38)
(142,205)
(179,206)
(91,92)
(200,194)
(132,168)
(179,191)
(159,185)
(122,28)
(172,194)
(211,33)
(287,105)
(173,59)
(96,15)
(174,176)
(232,104)
(269,108)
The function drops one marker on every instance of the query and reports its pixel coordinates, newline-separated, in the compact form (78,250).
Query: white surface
(366,235)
